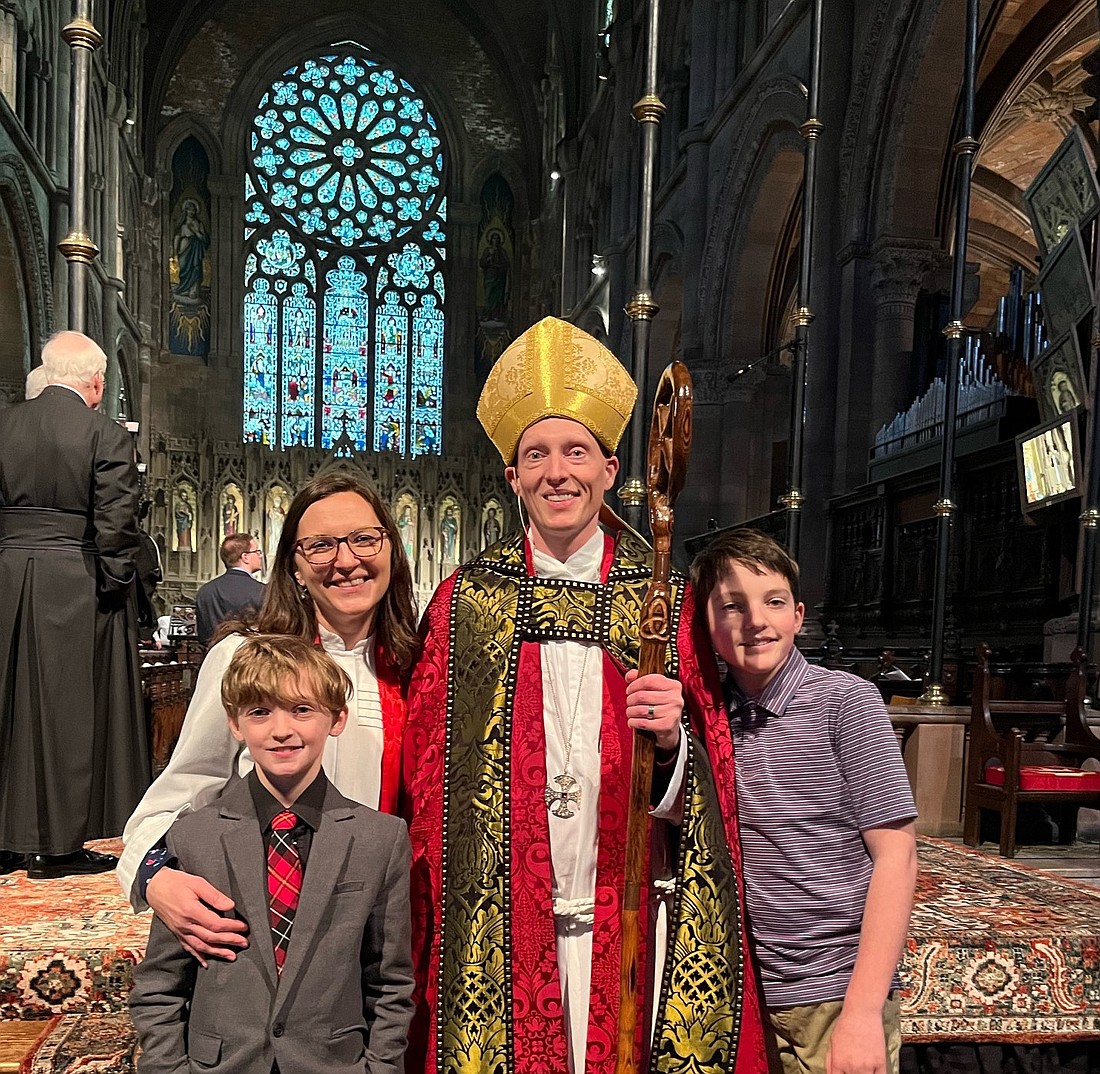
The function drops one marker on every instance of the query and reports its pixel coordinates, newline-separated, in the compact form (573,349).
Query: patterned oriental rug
(997,953)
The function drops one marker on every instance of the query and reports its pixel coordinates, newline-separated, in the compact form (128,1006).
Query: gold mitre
(555,370)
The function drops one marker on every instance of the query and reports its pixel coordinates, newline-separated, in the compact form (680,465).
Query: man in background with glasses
(235,592)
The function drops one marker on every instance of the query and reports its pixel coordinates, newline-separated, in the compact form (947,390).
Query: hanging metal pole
(1090,514)
(641,309)
(79,250)
(965,149)
(794,498)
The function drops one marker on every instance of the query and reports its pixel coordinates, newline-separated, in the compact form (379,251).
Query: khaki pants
(798,1037)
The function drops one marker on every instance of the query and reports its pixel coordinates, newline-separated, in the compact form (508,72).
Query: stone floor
(1079,861)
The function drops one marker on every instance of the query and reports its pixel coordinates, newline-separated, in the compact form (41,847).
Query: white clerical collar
(583,565)
(333,643)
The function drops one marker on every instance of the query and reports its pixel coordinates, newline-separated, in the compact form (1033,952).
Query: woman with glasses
(340,578)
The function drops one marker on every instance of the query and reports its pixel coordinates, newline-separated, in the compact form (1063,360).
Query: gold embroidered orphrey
(495,607)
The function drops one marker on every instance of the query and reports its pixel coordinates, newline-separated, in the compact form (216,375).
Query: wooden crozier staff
(669,447)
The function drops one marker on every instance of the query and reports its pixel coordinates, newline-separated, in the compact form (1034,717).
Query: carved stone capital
(1052,105)
(899,270)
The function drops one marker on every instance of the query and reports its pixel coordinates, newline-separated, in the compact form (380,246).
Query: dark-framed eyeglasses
(322,548)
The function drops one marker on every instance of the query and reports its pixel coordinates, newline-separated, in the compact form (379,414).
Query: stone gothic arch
(770,130)
(32,254)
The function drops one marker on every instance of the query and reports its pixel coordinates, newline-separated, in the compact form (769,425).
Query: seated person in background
(327,984)
(234,593)
(826,816)
(340,579)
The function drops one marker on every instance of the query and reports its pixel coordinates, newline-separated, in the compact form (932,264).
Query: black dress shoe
(10,861)
(50,866)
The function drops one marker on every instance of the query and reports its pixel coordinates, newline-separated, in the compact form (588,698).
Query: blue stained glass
(391,358)
(411,266)
(427,377)
(299,367)
(346,334)
(280,255)
(344,159)
(343,145)
(261,358)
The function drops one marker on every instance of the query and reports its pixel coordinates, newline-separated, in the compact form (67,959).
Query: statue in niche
(190,244)
(490,526)
(495,259)
(183,509)
(278,499)
(231,510)
(496,275)
(406,525)
(426,559)
(189,269)
(448,534)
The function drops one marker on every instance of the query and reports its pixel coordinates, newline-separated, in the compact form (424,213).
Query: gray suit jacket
(343,1001)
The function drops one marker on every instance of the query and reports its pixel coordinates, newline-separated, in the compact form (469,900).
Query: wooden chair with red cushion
(1024,752)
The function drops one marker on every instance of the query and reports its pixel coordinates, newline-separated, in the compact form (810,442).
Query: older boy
(826,817)
(325,880)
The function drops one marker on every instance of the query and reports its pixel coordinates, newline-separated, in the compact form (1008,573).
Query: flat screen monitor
(1048,458)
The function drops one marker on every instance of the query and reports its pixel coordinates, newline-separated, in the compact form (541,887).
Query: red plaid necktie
(284,883)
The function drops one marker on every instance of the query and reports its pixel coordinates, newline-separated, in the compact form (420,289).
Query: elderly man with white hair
(73,750)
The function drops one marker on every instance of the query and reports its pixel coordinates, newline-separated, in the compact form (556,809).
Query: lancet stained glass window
(345,234)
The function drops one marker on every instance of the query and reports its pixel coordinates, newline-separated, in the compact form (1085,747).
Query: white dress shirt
(207,753)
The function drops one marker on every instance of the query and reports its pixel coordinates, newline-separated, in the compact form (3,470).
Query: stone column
(227,264)
(696,150)
(460,392)
(9,43)
(899,270)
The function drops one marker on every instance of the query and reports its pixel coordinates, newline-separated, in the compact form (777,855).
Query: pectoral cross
(560,801)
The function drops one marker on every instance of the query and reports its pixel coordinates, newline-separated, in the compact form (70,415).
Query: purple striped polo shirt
(817,764)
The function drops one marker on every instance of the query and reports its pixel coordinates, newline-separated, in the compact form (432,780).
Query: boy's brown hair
(749,547)
(282,668)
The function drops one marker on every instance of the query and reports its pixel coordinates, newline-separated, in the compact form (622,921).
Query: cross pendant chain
(560,802)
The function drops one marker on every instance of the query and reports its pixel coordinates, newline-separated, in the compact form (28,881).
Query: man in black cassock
(73,748)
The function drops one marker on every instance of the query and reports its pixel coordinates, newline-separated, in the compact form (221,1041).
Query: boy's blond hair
(278,667)
(749,547)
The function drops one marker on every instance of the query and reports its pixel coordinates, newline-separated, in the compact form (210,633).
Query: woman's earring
(303,593)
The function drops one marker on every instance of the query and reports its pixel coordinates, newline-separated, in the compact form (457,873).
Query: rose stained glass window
(345,233)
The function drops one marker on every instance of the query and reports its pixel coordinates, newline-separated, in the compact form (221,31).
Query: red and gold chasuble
(475,774)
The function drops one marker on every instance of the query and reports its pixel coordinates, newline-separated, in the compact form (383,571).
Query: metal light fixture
(599,266)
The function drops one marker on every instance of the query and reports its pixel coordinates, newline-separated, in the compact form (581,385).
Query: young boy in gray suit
(326,981)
